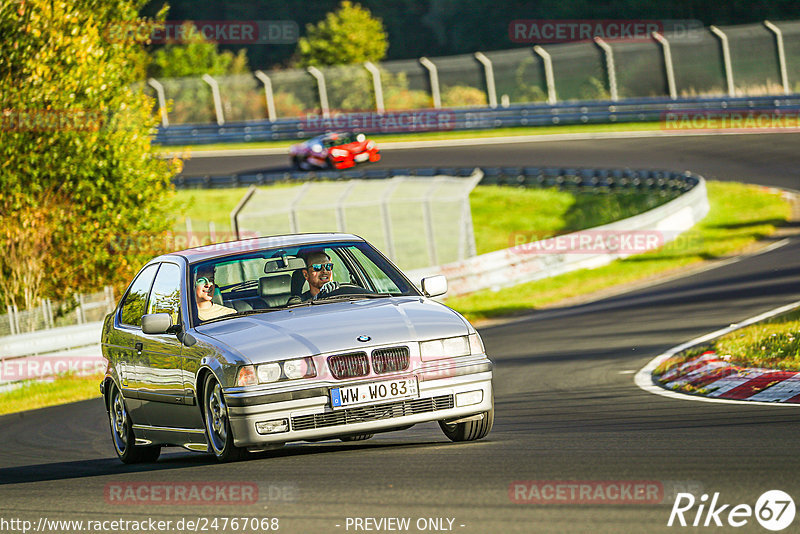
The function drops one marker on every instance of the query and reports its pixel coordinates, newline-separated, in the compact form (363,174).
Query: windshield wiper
(351,296)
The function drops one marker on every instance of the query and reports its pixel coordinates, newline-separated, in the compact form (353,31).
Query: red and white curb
(725,382)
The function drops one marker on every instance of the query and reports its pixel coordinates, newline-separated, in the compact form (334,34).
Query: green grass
(436,136)
(61,390)
(740,214)
(772,344)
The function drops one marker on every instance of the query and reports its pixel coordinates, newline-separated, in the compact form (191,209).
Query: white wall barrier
(585,249)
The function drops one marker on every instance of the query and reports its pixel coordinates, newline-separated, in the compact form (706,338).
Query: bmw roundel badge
(363,338)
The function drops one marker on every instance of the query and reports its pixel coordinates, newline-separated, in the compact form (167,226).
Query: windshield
(272,279)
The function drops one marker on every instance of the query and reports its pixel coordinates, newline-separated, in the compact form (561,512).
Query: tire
(296,163)
(122,436)
(356,437)
(218,426)
(469,430)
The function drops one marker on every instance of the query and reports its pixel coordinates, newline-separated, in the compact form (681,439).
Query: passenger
(319,275)
(204,294)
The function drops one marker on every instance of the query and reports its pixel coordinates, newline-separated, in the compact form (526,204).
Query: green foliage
(463,95)
(593,89)
(194,55)
(77,167)
(349,35)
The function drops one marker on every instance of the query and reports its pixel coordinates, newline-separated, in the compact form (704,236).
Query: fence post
(79,308)
(548,74)
(217,99)
(488,70)
(239,207)
(109,294)
(293,224)
(11,325)
(610,68)
(323,91)
(162,100)
(433,75)
(377,85)
(387,220)
(340,218)
(668,70)
(781,54)
(427,216)
(726,57)
(269,95)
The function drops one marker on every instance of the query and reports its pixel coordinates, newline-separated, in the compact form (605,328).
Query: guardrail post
(217,99)
(162,100)
(548,74)
(781,54)
(610,68)
(726,57)
(433,75)
(376,84)
(268,94)
(488,70)
(668,70)
(323,91)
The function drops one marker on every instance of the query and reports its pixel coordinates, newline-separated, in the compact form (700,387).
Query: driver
(319,275)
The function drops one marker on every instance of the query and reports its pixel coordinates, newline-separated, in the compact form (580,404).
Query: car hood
(334,327)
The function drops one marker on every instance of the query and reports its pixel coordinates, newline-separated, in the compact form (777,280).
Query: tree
(194,55)
(348,35)
(78,172)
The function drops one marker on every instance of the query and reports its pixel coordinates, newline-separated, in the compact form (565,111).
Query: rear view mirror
(156,323)
(433,286)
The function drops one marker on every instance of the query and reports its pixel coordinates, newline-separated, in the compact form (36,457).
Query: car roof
(219,250)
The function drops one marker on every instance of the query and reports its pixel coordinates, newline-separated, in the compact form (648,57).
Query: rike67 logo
(774,510)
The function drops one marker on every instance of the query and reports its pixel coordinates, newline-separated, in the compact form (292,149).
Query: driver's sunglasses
(322,266)
(204,280)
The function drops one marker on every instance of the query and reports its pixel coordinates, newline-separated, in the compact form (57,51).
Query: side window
(382,282)
(133,307)
(165,297)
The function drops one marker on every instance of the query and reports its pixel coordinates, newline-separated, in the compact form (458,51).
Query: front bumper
(311,417)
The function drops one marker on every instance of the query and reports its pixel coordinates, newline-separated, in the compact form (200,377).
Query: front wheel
(122,432)
(469,430)
(218,426)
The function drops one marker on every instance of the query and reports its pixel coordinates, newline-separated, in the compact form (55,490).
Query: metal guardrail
(563,178)
(586,112)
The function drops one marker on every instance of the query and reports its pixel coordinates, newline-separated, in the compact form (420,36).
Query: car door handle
(138,348)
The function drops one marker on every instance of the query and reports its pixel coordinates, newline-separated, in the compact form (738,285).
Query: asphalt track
(566,405)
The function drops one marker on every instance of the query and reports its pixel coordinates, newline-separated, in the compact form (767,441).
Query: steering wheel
(346,289)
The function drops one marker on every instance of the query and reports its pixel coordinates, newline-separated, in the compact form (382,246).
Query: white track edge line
(644,380)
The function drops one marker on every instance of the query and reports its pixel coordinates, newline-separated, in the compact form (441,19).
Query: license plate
(362,157)
(372,392)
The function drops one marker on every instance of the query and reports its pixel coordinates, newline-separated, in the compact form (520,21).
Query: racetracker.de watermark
(220,493)
(602,242)
(544,31)
(172,241)
(243,32)
(421,120)
(731,119)
(51,120)
(41,367)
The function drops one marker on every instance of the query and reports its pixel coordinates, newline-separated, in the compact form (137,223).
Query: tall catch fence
(763,59)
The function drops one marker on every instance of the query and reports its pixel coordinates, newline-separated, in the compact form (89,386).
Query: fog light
(469,398)
(272,427)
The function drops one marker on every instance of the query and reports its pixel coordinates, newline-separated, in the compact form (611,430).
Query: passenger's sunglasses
(204,280)
(322,266)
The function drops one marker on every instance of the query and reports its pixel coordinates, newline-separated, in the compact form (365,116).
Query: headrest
(285,263)
(269,286)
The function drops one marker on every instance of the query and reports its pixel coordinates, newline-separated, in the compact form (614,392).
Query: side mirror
(433,286)
(156,323)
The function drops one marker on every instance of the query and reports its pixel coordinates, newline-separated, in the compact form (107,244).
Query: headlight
(286,370)
(449,347)
(338,153)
